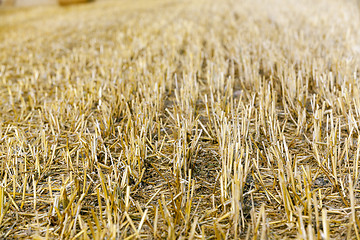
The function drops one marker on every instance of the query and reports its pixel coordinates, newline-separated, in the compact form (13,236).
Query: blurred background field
(26,3)
(202,119)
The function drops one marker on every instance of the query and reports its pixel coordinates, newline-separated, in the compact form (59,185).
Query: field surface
(164,119)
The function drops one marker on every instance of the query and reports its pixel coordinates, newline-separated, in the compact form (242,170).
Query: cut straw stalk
(195,128)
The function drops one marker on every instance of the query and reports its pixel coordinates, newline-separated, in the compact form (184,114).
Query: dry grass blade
(156,119)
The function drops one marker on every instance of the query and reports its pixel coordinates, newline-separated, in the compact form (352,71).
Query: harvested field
(161,119)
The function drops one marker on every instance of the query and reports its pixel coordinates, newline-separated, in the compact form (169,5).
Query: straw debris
(180,120)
